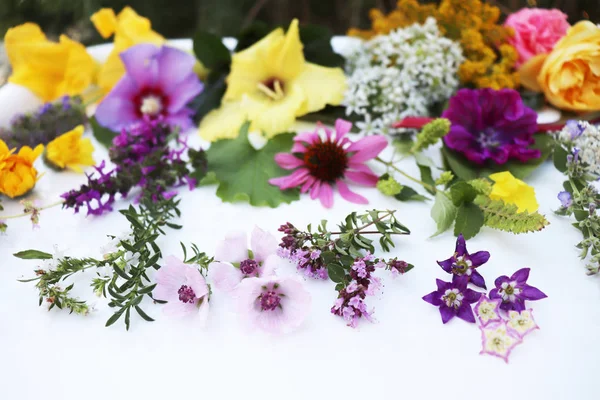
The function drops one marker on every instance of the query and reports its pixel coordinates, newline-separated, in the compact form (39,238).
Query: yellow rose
(570,75)
(513,191)
(17,174)
(48,69)
(69,150)
(128,29)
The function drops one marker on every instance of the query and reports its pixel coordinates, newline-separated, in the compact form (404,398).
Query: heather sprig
(45,124)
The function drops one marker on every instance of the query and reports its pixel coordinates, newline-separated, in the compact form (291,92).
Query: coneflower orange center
(326,161)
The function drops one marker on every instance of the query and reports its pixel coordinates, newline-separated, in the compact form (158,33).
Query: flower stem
(58,203)
(360,229)
(389,164)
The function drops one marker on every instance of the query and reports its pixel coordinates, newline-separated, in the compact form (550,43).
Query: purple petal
(349,195)
(288,161)
(182,119)
(174,66)
(500,280)
(116,112)
(447,264)
(181,94)
(466,313)
(520,276)
(141,63)
(433,298)
(479,258)
(447,313)
(532,293)
(461,245)
(460,282)
(477,279)
(367,148)
(442,286)
(471,296)
(494,294)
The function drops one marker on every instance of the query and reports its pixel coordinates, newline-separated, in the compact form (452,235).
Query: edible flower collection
(447,78)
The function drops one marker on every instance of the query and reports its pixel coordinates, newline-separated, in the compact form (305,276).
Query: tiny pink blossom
(260,262)
(183,288)
(496,340)
(274,305)
(488,311)
(521,323)
(321,162)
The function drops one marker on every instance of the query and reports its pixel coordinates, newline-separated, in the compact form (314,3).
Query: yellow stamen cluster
(490,60)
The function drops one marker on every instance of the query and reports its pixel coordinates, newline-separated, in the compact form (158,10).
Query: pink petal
(196,281)
(360,167)
(342,127)
(270,265)
(182,93)
(178,308)
(307,137)
(295,304)
(263,244)
(141,63)
(174,66)
(234,248)
(315,190)
(225,276)
(349,195)
(298,148)
(362,178)
(295,179)
(288,161)
(367,148)
(203,312)
(326,195)
(307,185)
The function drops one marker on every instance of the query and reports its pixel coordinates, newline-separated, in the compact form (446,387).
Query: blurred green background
(180,18)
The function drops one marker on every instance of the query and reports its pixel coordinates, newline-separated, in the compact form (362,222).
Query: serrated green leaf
(507,218)
(407,194)
(33,255)
(211,51)
(443,213)
(103,135)
(244,172)
(461,192)
(469,220)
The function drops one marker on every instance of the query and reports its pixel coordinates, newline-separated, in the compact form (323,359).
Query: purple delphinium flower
(574,129)
(565,199)
(454,299)
(463,264)
(159,82)
(514,291)
(491,125)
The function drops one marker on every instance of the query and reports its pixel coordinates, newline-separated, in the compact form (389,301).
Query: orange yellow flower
(17,173)
(128,29)
(513,191)
(472,23)
(570,75)
(48,69)
(70,150)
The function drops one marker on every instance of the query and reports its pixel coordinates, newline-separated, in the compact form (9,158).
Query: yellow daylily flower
(48,69)
(69,150)
(513,191)
(271,84)
(17,174)
(128,29)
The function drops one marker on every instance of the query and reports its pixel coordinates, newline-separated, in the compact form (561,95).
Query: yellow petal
(245,75)
(223,123)
(513,191)
(321,86)
(530,71)
(286,60)
(105,22)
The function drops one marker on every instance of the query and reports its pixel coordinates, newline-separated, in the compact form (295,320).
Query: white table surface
(407,354)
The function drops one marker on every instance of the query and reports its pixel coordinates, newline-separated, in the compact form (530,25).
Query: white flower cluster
(585,137)
(401,74)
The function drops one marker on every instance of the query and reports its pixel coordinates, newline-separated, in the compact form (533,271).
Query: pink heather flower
(496,340)
(183,287)
(322,162)
(234,249)
(536,31)
(274,305)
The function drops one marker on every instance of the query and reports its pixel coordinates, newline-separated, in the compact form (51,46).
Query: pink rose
(536,31)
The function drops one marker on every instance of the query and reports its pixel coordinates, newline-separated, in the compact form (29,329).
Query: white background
(409,353)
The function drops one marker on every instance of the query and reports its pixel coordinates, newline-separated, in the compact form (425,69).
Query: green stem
(389,164)
(58,203)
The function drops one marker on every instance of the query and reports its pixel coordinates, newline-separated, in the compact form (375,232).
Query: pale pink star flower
(522,323)
(497,341)
(488,311)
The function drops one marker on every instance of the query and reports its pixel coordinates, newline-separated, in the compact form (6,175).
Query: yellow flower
(513,191)
(271,84)
(570,75)
(69,150)
(48,69)
(17,174)
(128,29)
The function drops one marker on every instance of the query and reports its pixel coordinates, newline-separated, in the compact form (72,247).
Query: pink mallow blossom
(321,162)
(183,288)
(274,305)
(261,261)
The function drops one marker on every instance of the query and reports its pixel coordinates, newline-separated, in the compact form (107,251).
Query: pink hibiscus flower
(321,162)
(258,262)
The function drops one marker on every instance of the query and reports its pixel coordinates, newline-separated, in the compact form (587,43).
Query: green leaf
(115,317)
(560,158)
(443,213)
(143,314)
(210,97)
(33,255)
(103,135)
(211,51)
(336,273)
(469,220)
(317,46)
(505,217)
(244,172)
(403,143)
(328,257)
(427,178)
(407,193)
(461,192)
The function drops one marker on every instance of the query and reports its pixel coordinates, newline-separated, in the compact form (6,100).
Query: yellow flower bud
(17,174)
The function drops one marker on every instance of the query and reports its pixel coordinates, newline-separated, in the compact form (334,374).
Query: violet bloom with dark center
(514,291)
(454,299)
(463,264)
(159,82)
(491,125)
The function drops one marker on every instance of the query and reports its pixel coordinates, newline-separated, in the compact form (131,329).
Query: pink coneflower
(183,287)
(274,305)
(322,162)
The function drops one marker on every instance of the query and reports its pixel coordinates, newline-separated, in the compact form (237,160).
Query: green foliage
(409,194)
(469,220)
(211,51)
(389,186)
(505,217)
(482,186)
(443,212)
(461,192)
(243,172)
(352,237)
(103,135)
(431,134)
(33,255)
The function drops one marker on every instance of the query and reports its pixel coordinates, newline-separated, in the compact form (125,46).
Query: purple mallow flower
(565,199)
(454,299)
(514,291)
(491,125)
(463,264)
(159,83)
